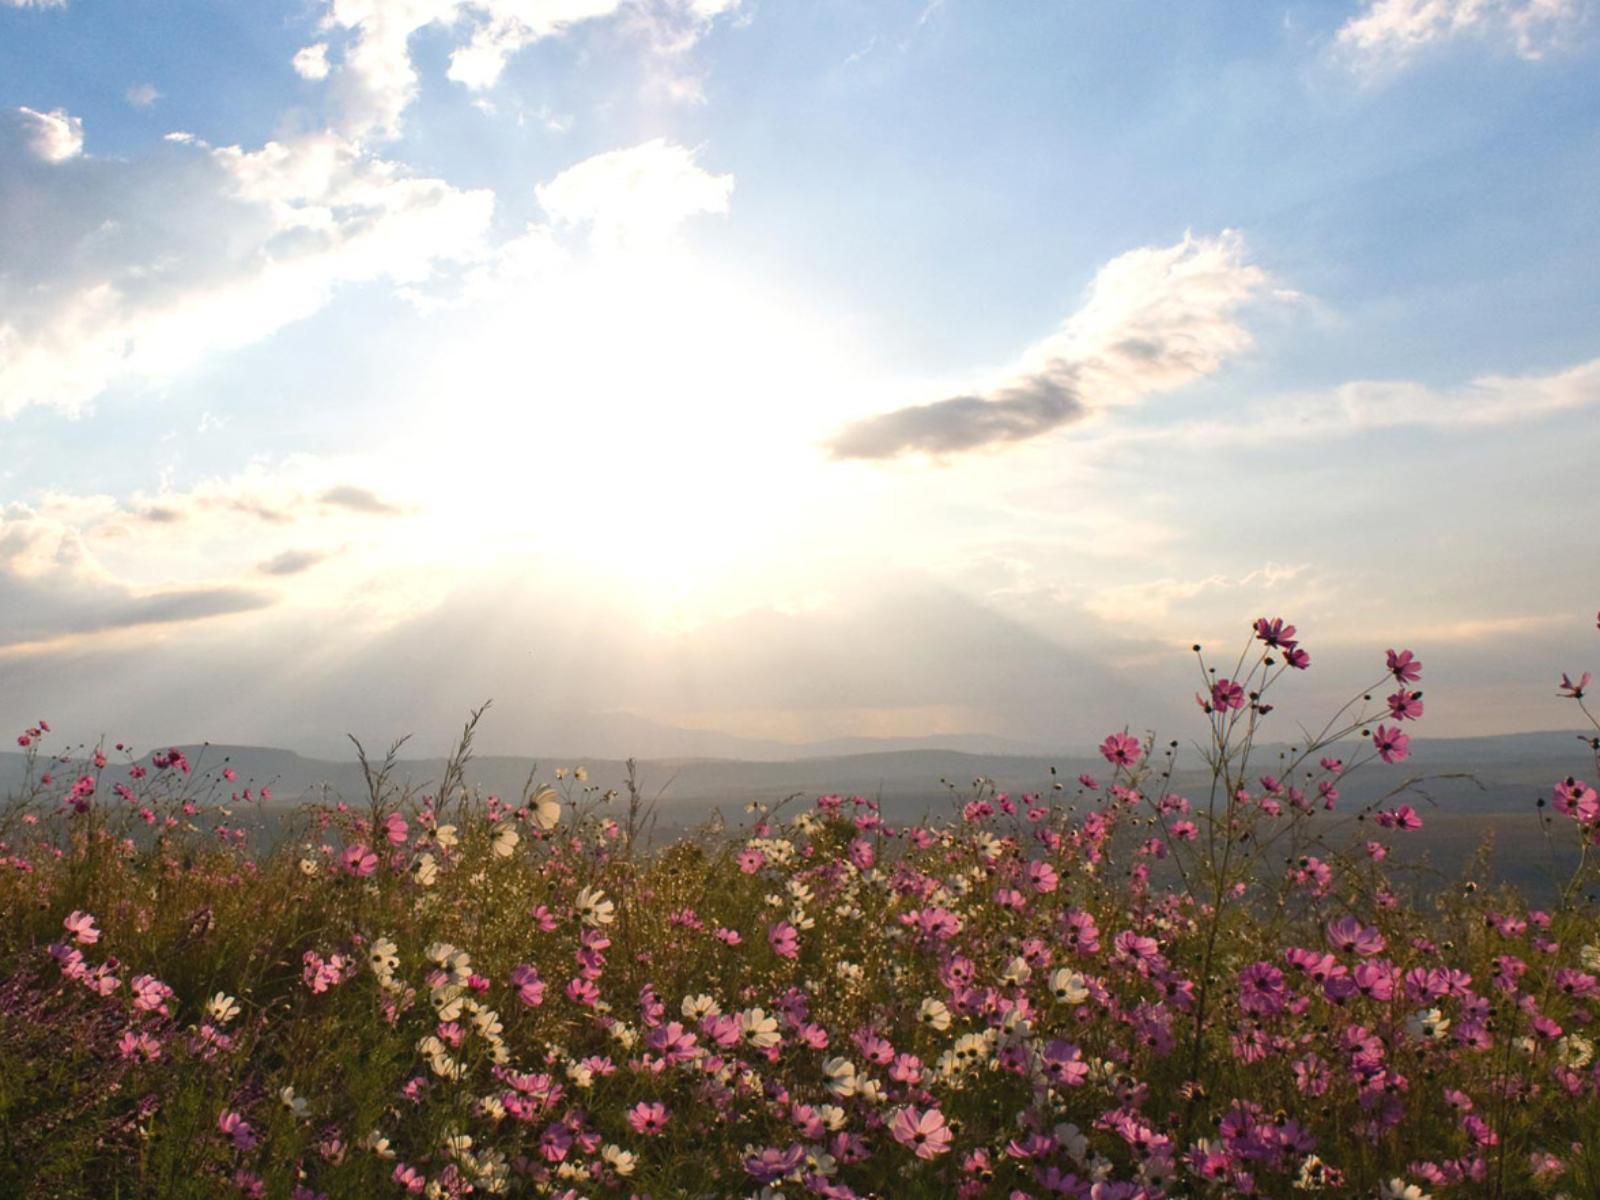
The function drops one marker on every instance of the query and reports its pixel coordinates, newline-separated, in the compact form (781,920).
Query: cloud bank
(1155,319)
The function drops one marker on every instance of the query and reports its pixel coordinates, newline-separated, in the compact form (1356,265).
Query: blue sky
(991,341)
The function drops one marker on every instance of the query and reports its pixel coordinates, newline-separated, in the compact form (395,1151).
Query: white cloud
(35,3)
(635,196)
(376,79)
(84,564)
(142,95)
(53,136)
(1388,33)
(311,62)
(135,269)
(1155,319)
(1362,405)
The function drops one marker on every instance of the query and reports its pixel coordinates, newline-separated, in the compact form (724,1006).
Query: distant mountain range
(1508,772)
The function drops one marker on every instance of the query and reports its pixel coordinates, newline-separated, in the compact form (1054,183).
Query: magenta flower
(81,926)
(784,940)
(1121,749)
(1405,666)
(1392,745)
(529,987)
(1261,989)
(1352,937)
(1577,800)
(359,861)
(1226,695)
(234,1127)
(1574,691)
(648,1119)
(924,1133)
(1405,706)
(1275,633)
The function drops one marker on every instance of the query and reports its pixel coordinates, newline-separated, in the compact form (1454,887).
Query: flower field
(1103,990)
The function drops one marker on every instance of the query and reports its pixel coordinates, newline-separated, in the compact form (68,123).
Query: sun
(648,423)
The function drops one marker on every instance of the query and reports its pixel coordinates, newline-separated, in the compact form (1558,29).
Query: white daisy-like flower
(294,1103)
(757,1029)
(593,908)
(546,807)
(505,842)
(222,1008)
(839,1076)
(934,1014)
(697,1007)
(619,1160)
(1069,987)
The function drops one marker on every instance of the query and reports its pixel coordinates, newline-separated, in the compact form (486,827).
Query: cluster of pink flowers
(1120,992)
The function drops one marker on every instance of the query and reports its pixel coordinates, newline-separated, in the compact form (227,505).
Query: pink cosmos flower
(1405,666)
(784,940)
(359,861)
(1227,695)
(1574,691)
(648,1119)
(1275,633)
(1392,745)
(1405,706)
(1261,989)
(527,984)
(1121,749)
(925,1133)
(1576,799)
(81,926)
(231,1125)
(1352,937)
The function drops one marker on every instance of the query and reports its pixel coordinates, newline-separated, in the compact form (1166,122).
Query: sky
(793,370)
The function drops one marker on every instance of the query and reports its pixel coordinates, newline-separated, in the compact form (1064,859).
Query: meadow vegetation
(1103,990)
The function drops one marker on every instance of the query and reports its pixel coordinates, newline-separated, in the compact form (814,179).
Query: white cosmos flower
(1069,987)
(593,908)
(1428,1023)
(425,870)
(222,1008)
(445,836)
(293,1103)
(505,841)
(934,1014)
(758,1029)
(546,806)
(840,1076)
(619,1160)
(696,1007)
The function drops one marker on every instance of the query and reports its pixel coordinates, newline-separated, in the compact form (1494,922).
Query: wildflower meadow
(1102,990)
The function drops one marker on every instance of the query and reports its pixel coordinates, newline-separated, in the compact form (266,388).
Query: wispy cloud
(292,562)
(1365,405)
(1387,34)
(361,500)
(142,95)
(1155,319)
